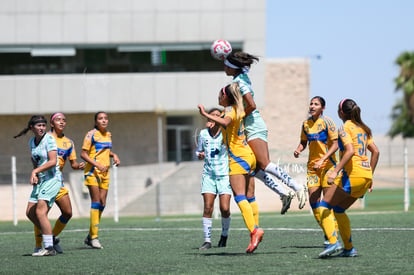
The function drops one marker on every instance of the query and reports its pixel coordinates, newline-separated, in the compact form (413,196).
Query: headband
(244,69)
(342,102)
(39,120)
(55,115)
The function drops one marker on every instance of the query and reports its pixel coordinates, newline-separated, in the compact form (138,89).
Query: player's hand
(201,155)
(116,160)
(331,177)
(296,153)
(34,179)
(81,165)
(201,109)
(318,164)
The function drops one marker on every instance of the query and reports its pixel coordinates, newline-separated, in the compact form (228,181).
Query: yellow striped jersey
(99,146)
(320,135)
(66,149)
(358,165)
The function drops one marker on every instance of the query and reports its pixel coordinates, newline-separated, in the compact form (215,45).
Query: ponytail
(33,121)
(351,111)
(235,98)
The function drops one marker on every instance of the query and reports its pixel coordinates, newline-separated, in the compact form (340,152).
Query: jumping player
(242,162)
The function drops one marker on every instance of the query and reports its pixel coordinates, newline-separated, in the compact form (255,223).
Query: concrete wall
(28,24)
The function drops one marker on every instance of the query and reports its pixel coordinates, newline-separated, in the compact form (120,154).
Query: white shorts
(46,190)
(218,185)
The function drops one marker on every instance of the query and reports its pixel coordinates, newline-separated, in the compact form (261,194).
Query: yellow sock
(38,236)
(317,215)
(255,209)
(344,226)
(328,224)
(94,220)
(59,225)
(247,214)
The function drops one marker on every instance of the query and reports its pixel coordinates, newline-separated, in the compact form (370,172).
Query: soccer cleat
(88,241)
(56,245)
(255,238)
(348,253)
(286,200)
(205,246)
(96,244)
(37,249)
(301,194)
(326,243)
(48,251)
(223,241)
(330,249)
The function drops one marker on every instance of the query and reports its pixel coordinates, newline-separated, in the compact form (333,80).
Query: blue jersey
(216,162)
(40,157)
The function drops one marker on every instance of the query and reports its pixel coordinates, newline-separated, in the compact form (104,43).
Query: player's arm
(374,155)
(115,158)
(85,157)
(302,146)
(250,104)
(52,156)
(224,122)
(76,165)
(330,152)
(348,153)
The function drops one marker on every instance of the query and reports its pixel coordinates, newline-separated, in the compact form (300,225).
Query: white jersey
(40,157)
(216,162)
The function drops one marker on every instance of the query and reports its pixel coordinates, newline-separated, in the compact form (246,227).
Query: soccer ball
(220,49)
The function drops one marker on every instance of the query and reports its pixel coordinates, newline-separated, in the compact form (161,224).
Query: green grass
(387,199)
(146,246)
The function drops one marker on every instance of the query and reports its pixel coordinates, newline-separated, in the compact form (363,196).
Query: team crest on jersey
(320,127)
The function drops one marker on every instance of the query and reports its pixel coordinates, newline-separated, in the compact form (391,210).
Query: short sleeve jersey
(320,135)
(216,161)
(358,165)
(253,122)
(66,150)
(40,156)
(235,140)
(99,147)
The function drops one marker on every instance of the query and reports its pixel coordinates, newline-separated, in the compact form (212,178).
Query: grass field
(291,245)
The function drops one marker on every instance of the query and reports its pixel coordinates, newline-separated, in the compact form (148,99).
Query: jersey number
(362,138)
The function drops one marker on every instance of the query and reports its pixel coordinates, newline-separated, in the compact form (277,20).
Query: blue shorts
(46,190)
(218,185)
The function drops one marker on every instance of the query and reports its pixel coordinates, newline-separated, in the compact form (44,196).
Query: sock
(269,182)
(225,226)
(344,226)
(283,176)
(255,209)
(316,213)
(47,240)
(207,225)
(59,225)
(328,224)
(38,236)
(246,211)
(94,220)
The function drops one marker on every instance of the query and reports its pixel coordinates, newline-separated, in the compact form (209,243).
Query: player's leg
(207,220)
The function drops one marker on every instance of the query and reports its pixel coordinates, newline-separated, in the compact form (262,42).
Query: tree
(403,110)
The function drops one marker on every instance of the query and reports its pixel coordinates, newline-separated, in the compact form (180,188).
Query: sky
(358,42)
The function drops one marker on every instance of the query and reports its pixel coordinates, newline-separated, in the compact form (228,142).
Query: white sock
(207,225)
(283,176)
(225,225)
(269,182)
(47,240)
